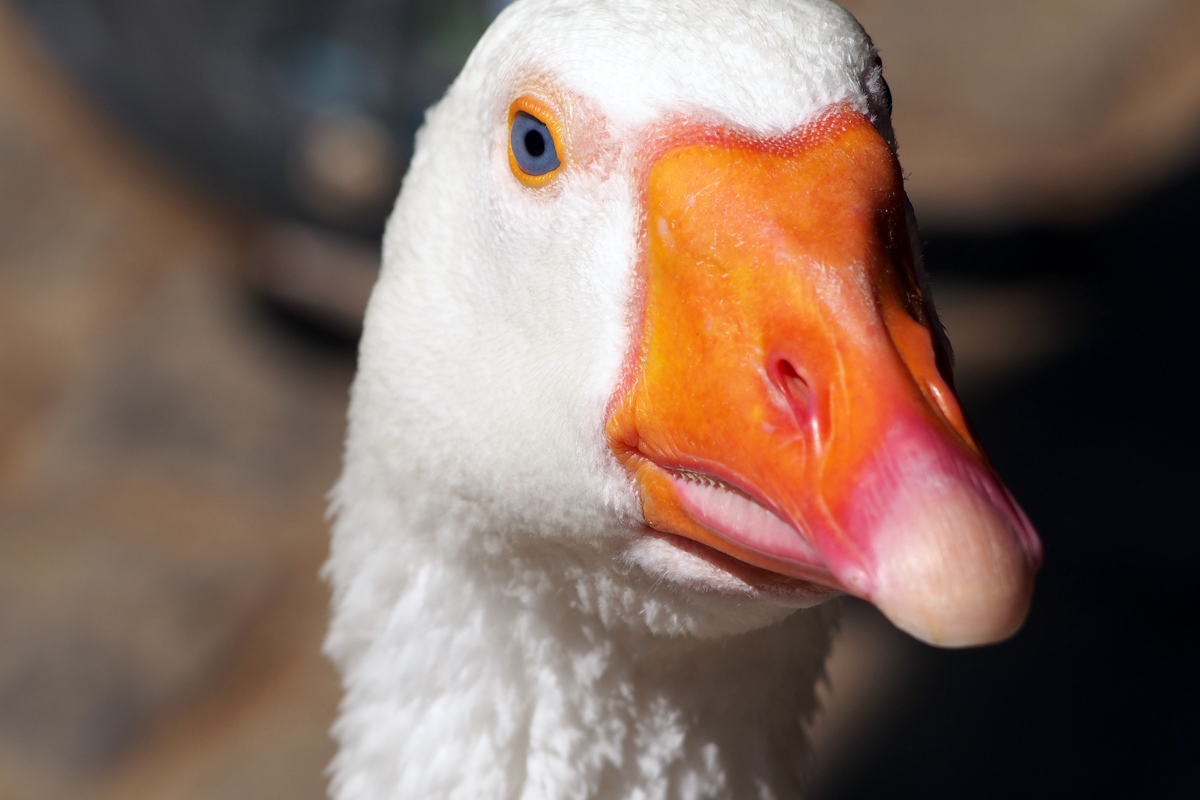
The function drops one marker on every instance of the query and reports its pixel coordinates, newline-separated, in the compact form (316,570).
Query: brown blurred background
(190,198)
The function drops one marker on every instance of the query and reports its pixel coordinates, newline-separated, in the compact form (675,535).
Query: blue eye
(532,145)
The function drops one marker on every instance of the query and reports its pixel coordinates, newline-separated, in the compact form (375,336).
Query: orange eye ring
(542,112)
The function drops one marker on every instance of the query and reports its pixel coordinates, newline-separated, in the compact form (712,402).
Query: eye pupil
(532,145)
(535,143)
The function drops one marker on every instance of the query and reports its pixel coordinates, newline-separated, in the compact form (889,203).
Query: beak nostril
(795,388)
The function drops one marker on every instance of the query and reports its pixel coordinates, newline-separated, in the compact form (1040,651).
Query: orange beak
(787,408)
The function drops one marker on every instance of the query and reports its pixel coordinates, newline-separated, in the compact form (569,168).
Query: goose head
(652,305)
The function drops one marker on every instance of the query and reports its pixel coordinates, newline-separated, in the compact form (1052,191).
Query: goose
(650,373)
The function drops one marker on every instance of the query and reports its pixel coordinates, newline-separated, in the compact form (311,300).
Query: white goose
(648,368)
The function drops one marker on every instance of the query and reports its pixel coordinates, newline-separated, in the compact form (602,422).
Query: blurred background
(191,193)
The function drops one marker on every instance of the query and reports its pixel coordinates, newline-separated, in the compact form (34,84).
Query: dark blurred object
(307,109)
(318,277)
(1028,111)
(165,450)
